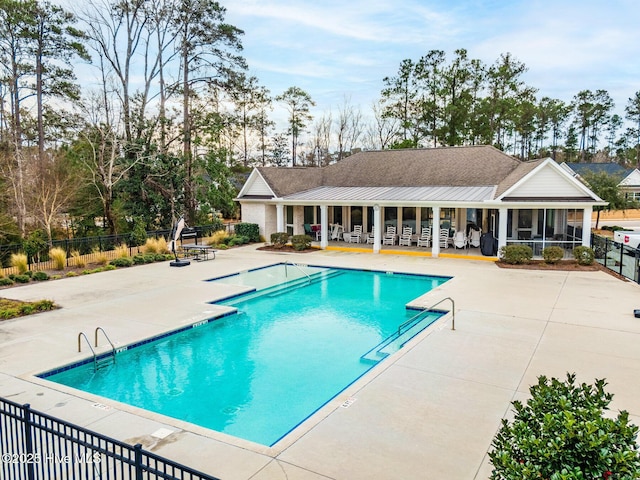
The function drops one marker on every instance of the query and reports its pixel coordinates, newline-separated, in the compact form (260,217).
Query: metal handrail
(113,348)
(453,312)
(95,359)
(298,267)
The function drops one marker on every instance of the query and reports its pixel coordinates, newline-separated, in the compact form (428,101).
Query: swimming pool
(287,350)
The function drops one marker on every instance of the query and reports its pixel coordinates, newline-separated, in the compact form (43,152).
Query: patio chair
(371,236)
(460,240)
(474,239)
(425,237)
(444,238)
(354,236)
(405,238)
(390,236)
(336,231)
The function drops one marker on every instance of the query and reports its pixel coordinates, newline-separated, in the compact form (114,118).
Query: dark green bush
(21,278)
(279,239)
(516,254)
(249,230)
(237,240)
(301,242)
(138,235)
(160,257)
(552,255)
(29,273)
(121,262)
(41,276)
(4,282)
(563,432)
(584,255)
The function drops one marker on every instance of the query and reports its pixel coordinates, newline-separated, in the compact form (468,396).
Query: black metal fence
(99,244)
(617,257)
(37,446)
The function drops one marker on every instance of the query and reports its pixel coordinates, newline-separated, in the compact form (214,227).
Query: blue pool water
(258,373)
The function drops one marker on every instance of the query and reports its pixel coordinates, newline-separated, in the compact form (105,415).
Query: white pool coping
(429,411)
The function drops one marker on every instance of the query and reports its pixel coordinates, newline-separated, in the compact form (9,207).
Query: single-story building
(629,177)
(448,189)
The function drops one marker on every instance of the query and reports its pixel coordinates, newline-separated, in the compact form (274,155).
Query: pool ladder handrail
(298,267)
(412,319)
(95,358)
(113,348)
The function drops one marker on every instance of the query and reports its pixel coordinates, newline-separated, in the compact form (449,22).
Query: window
(409,218)
(390,217)
(356,216)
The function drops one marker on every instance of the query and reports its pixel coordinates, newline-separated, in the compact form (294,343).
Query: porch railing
(37,446)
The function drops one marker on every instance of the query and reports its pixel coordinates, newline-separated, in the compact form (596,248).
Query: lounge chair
(405,238)
(336,231)
(425,237)
(460,240)
(390,236)
(474,239)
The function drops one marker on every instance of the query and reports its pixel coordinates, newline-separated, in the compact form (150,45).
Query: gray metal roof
(395,194)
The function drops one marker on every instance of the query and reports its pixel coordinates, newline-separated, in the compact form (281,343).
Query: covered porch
(454,230)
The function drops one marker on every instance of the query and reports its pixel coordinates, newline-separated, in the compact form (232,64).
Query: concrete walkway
(429,411)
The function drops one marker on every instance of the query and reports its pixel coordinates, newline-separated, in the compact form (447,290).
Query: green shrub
(29,273)
(27,309)
(44,305)
(19,261)
(279,239)
(301,242)
(71,274)
(41,276)
(516,254)
(5,282)
(160,257)
(249,230)
(552,255)
(121,262)
(106,268)
(563,432)
(59,258)
(21,278)
(584,255)
(237,240)
(222,247)
(138,235)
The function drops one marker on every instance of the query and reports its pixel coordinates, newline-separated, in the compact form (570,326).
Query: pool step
(396,341)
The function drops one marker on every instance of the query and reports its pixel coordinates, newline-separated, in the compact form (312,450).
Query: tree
(55,43)
(632,111)
(383,129)
(348,128)
(400,96)
(298,103)
(207,47)
(607,187)
(563,432)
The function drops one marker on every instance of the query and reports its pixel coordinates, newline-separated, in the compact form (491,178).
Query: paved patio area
(429,411)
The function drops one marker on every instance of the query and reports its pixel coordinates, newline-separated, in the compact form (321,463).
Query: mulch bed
(287,249)
(564,266)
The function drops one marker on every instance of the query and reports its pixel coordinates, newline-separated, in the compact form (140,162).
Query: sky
(341,51)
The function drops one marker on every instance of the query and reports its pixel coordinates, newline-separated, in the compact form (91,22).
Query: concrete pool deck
(429,411)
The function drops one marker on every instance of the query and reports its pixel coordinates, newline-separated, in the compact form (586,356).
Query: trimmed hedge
(552,255)
(516,254)
(279,239)
(301,242)
(584,255)
(121,262)
(249,230)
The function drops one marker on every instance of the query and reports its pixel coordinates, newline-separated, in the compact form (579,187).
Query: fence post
(621,258)
(137,448)
(28,440)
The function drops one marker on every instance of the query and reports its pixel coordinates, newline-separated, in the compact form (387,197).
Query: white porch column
(324,226)
(502,227)
(435,233)
(586,226)
(377,229)
(280,218)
